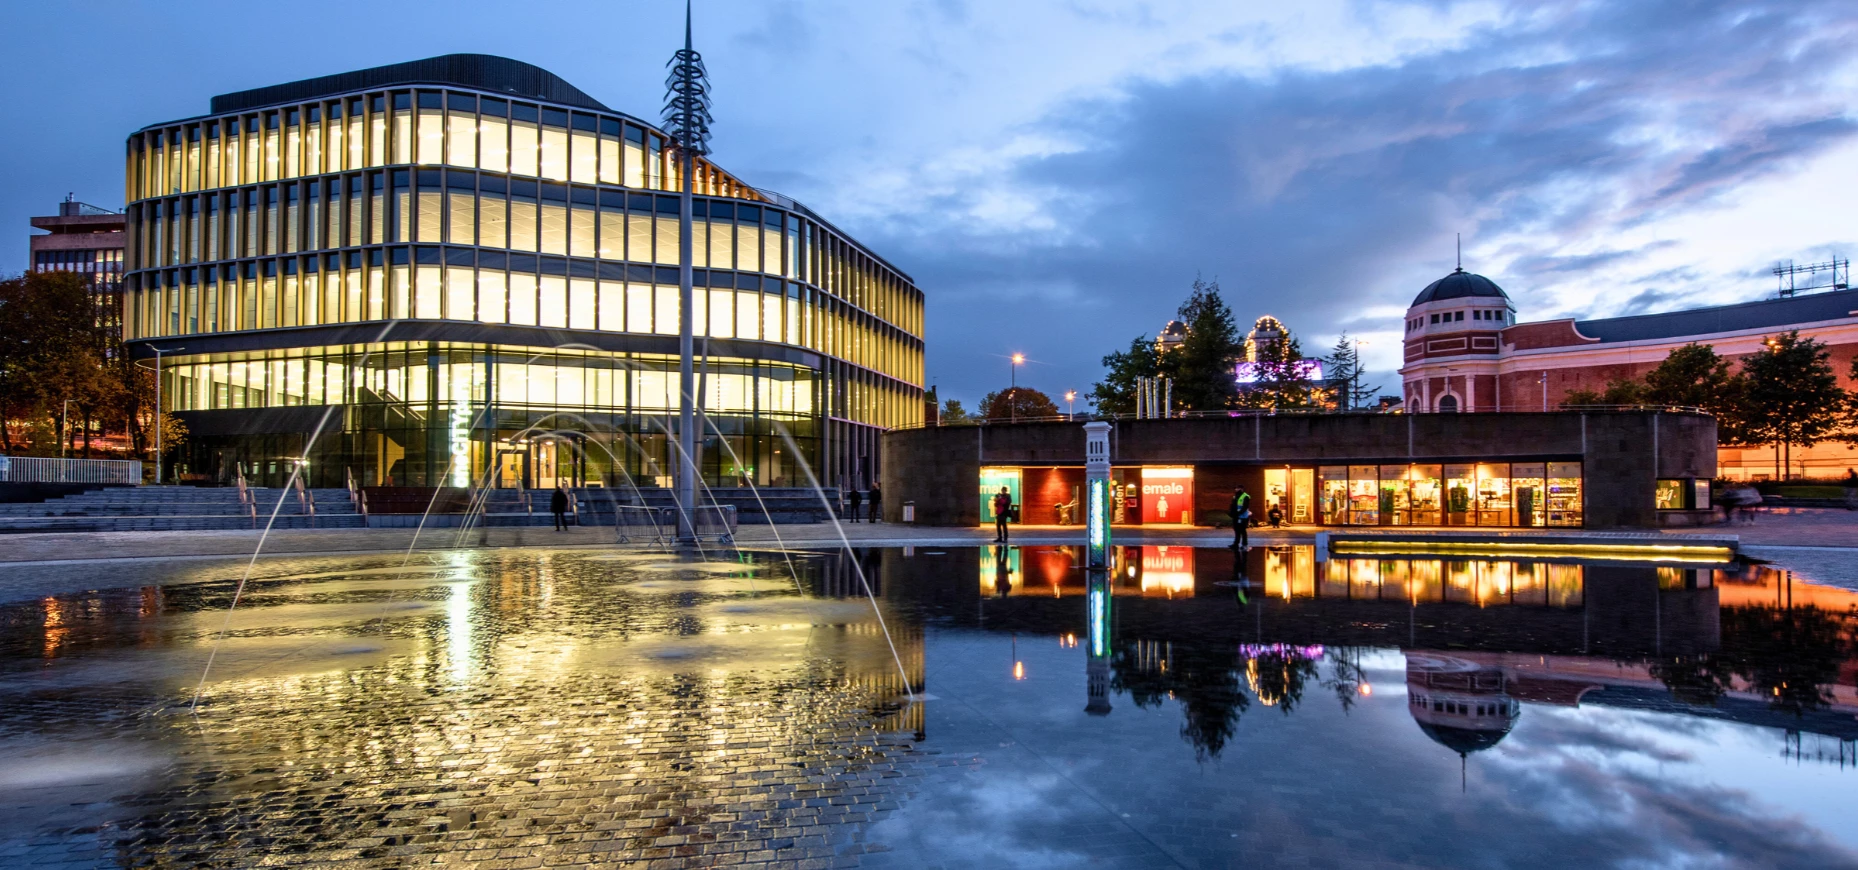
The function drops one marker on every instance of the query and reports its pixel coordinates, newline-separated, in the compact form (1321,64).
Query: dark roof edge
(1811,308)
(485,72)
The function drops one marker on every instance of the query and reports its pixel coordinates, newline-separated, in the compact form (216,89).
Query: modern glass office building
(464,270)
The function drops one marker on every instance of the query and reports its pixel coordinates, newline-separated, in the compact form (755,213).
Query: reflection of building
(1486,470)
(1460,705)
(1466,352)
(463,255)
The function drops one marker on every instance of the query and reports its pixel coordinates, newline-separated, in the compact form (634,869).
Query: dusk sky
(1055,174)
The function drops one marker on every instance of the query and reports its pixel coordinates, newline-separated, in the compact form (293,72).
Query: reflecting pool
(1184,707)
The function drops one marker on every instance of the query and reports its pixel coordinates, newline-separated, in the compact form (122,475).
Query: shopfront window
(1364,495)
(1460,492)
(1493,494)
(992,480)
(1526,485)
(1564,494)
(1334,480)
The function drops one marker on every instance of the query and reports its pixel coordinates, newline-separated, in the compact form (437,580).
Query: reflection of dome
(1457,285)
(1460,705)
(1463,741)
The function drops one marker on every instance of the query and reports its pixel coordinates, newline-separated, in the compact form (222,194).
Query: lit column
(1097,491)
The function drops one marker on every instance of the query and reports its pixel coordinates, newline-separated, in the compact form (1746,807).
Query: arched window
(1448,404)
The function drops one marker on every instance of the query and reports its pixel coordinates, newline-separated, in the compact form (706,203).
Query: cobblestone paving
(485,711)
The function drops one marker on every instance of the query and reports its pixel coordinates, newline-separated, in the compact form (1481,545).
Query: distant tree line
(1785,395)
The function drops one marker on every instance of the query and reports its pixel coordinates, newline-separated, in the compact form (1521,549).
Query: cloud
(1316,194)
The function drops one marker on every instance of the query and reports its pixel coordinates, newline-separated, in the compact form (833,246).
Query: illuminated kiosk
(1097,491)
(464,268)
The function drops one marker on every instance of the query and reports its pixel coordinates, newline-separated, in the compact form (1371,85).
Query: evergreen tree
(1347,373)
(1792,394)
(1204,366)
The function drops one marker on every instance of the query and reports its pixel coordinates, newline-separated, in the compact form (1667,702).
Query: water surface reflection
(1187,706)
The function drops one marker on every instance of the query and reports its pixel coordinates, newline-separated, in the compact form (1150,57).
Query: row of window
(1499,315)
(445,284)
(108,260)
(521,378)
(426,127)
(482,210)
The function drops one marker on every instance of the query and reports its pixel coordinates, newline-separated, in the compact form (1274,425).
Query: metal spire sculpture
(687,119)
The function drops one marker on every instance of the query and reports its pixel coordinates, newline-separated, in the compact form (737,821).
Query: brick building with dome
(1465,351)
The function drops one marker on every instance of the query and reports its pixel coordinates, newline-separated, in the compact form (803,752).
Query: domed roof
(1458,285)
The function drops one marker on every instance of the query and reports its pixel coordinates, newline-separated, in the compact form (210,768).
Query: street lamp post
(1354,385)
(1544,381)
(1069,397)
(158,352)
(1012,394)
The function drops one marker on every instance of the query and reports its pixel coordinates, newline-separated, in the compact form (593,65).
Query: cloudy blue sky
(1054,173)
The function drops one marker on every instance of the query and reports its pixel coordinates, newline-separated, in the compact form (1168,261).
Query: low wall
(1622,453)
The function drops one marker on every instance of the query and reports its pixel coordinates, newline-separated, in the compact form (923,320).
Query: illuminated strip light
(1099,510)
(1618,552)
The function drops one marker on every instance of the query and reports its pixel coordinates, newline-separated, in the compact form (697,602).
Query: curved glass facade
(468,277)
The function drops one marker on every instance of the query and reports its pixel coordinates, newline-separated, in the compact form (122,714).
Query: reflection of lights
(1099,606)
(1068,641)
(1019,670)
(458,630)
(1295,651)
(1610,552)
(1365,689)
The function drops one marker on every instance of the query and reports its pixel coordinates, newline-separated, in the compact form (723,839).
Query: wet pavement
(529,708)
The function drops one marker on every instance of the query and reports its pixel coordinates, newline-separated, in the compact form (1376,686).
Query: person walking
(558,505)
(1241,509)
(1851,489)
(857,502)
(1003,506)
(877,503)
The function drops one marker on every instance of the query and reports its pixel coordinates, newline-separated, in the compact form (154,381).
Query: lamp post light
(158,352)
(1012,393)
(1070,396)
(1354,385)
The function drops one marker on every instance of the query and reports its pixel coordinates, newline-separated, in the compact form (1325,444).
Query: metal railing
(33,469)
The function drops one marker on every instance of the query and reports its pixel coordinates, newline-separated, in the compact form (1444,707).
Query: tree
(1115,394)
(1204,366)
(1346,371)
(1792,395)
(1017,403)
(955,415)
(1694,376)
(51,352)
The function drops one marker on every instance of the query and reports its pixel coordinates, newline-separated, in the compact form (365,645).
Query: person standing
(1241,509)
(857,502)
(1003,506)
(558,505)
(1851,489)
(877,503)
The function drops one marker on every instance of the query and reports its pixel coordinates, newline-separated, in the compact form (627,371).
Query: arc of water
(239,590)
(839,527)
